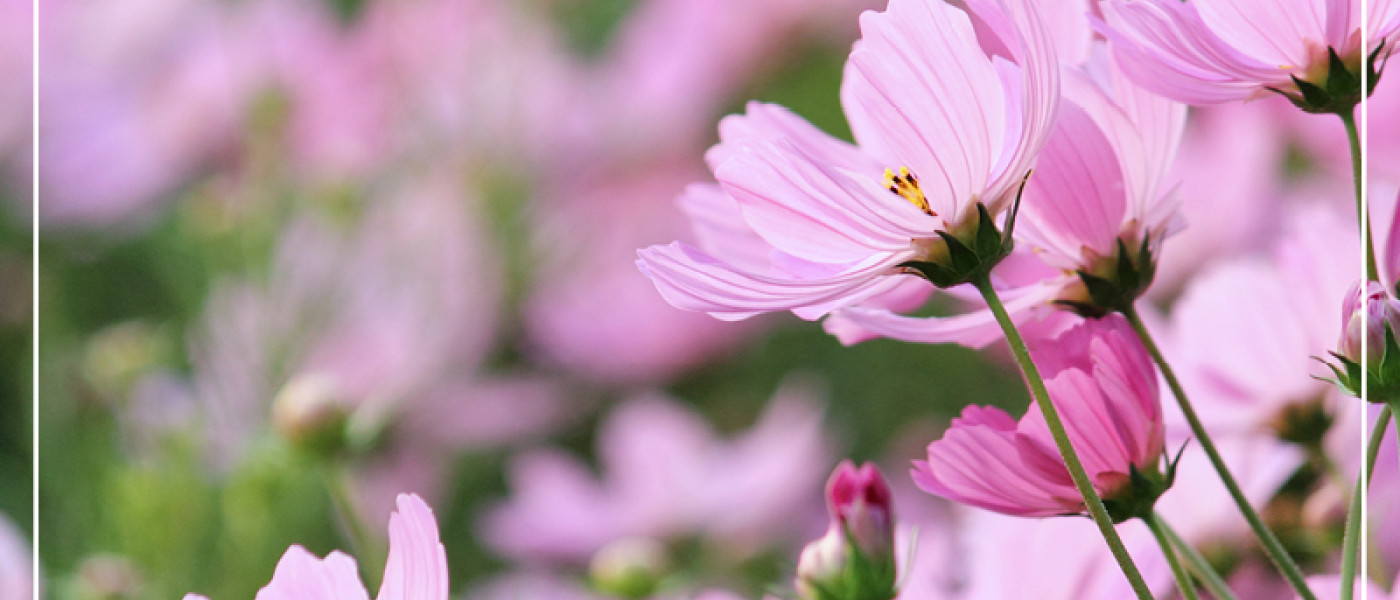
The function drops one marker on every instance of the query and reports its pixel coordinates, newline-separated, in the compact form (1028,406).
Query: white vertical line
(34,300)
(1363,430)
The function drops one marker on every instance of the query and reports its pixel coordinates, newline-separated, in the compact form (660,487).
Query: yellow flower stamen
(906,186)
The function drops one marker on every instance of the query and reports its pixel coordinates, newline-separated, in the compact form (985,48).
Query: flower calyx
(1338,89)
(1383,374)
(1115,285)
(1137,496)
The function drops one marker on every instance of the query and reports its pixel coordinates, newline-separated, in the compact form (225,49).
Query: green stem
(1394,406)
(1199,566)
(1183,579)
(1351,540)
(1271,545)
(1057,430)
(1363,220)
(365,546)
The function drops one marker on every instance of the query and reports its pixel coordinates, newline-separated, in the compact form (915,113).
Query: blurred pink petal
(1329,587)
(16,563)
(1053,559)
(1244,334)
(590,310)
(1233,152)
(137,96)
(1200,508)
(659,465)
(674,63)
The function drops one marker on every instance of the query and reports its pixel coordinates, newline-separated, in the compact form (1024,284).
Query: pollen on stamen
(906,186)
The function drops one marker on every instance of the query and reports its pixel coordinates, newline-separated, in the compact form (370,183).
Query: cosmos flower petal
(1168,49)
(1076,198)
(417,565)
(1105,388)
(718,223)
(762,121)
(816,211)
(1144,128)
(1033,91)
(919,92)
(1270,31)
(300,575)
(693,280)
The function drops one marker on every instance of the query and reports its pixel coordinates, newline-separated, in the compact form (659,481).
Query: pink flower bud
(1365,316)
(860,501)
(855,559)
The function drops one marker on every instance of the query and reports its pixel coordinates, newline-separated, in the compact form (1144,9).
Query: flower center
(906,186)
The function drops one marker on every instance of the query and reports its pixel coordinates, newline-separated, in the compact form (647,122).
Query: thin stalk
(1351,540)
(365,546)
(1282,561)
(1199,566)
(1394,406)
(1183,579)
(1363,220)
(1057,430)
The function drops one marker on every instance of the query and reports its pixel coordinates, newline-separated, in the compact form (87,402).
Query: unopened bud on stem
(855,559)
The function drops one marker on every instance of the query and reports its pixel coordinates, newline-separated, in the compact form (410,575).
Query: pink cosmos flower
(630,333)
(674,64)
(1243,335)
(137,97)
(1233,151)
(660,464)
(1101,181)
(416,569)
(948,125)
(1209,51)
(480,79)
(338,93)
(1105,386)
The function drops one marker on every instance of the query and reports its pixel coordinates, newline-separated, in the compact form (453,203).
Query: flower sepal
(825,572)
(971,259)
(1115,291)
(1383,375)
(1136,498)
(1339,91)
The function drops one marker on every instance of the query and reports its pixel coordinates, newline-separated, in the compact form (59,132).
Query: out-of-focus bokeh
(301,256)
(16,294)
(386,246)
